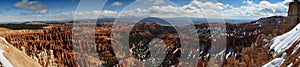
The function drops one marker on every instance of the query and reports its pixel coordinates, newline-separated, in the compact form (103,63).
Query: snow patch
(265,40)
(227,55)
(290,65)
(274,63)
(296,48)
(284,55)
(175,50)
(283,42)
(3,60)
(4,40)
(220,54)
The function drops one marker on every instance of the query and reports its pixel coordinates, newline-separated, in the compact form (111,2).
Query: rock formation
(293,14)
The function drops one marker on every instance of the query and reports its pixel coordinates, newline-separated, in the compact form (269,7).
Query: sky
(44,10)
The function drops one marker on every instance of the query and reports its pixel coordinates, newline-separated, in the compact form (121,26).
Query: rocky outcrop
(293,14)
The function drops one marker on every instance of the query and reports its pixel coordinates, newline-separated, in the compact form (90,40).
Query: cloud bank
(32,5)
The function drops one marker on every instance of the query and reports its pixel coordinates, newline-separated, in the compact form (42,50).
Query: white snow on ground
(296,48)
(227,55)
(220,54)
(3,60)
(175,50)
(274,63)
(4,40)
(290,65)
(283,42)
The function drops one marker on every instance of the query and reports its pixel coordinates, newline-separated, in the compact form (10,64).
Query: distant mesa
(23,26)
(154,19)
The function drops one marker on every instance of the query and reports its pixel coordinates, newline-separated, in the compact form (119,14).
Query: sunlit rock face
(293,14)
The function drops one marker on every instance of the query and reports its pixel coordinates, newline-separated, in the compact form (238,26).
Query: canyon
(62,44)
(54,46)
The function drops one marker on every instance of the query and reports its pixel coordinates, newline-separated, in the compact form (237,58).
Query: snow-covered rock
(274,63)
(285,41)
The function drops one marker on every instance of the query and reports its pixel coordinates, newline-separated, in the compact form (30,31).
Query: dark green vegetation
(22,26)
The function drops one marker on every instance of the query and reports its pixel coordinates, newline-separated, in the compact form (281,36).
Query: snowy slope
(3,59)
(283,42)
(11,56)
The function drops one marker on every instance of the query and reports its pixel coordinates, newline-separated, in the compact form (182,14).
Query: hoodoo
(293,14)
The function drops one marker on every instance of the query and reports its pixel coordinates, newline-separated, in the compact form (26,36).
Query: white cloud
(262,9)
(57,11)
(43,11)
(158,1)
(57,17)
(152,1)
(215,10)
(117,3)
(30,5)
(219,10)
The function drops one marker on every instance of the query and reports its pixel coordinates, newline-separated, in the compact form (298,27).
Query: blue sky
(112,7)
(70,5)
(64,5)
